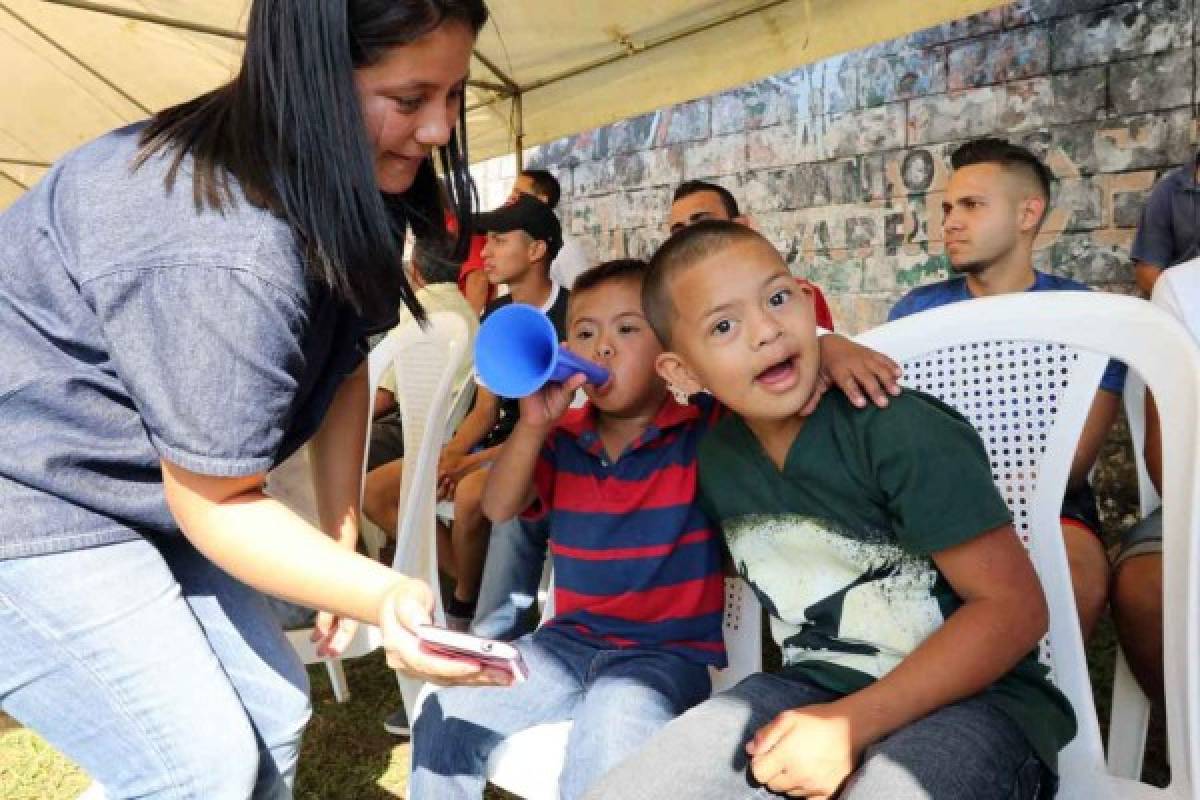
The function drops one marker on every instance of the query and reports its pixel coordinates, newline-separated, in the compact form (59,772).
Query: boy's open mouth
(779,376)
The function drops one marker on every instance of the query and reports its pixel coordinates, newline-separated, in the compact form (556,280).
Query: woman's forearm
(336,456)
(264,544)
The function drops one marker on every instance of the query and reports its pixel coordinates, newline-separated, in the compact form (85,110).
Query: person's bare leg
(1089,575)
(469,536)
(445,550)
(1137,612)
(381,496)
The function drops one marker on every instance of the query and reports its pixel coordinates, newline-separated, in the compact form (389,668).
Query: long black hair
(290,130)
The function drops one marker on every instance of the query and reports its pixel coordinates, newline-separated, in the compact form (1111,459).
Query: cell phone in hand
(465,647)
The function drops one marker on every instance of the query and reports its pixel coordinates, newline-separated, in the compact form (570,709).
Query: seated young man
(433,276)
(1137,585)
(639,590)
(522,239)
(996,200)
(907,610)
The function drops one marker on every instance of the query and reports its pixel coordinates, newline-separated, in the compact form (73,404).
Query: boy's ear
(672,369)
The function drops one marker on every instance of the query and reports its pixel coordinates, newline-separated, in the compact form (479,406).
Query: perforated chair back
(1024,370)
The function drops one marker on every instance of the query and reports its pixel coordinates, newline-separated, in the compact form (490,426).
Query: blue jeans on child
(965,750)
(617,698)
(157,673)
(512,573)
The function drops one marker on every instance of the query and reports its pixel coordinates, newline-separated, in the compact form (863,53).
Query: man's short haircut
(431,258)
(619,269)
(683,249)
(689,188)
(1007,155)
(544,184)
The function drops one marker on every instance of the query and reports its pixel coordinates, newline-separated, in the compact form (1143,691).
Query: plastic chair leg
(337,679)
(373,538)
(1129,721)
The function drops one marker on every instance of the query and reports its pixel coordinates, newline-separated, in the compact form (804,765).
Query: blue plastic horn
(517,352)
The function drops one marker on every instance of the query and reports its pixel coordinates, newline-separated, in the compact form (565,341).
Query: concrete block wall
(842,163)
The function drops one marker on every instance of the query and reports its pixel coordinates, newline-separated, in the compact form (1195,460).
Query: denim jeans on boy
(617,698)
(157,673)
(965,750)
(512,573)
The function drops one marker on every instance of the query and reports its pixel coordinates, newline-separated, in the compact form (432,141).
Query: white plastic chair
(1178,293)
(1024,369)
(425,363)
(1129,715)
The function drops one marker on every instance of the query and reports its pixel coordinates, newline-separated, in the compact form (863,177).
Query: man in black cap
(523,237)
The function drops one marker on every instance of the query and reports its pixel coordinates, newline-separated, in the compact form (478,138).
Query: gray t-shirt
(135,327)
(1169,231)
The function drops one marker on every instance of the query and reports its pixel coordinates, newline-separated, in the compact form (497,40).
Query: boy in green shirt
(907,610)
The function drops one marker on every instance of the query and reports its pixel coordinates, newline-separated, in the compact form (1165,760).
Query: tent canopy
(542,70)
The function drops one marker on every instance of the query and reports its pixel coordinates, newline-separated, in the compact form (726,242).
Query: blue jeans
(617,698)
(156,672)
(511,575)
(965,750)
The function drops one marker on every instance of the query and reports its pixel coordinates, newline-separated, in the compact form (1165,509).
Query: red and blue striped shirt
(637,563)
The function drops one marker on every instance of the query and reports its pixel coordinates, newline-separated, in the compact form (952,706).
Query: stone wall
(842,163)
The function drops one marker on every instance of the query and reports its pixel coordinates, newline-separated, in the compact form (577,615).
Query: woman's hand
(333,634)
(406,607)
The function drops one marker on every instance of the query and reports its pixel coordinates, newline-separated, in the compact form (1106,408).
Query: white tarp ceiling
(76,68)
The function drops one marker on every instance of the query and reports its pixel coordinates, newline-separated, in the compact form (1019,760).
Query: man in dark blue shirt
(1169,232)
(995,203)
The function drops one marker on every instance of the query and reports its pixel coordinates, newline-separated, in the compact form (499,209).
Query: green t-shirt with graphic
(837,545)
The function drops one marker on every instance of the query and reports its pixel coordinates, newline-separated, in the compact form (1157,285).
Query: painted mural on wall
(842,163)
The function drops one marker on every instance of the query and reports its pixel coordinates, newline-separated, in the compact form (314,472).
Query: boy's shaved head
(684,249)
